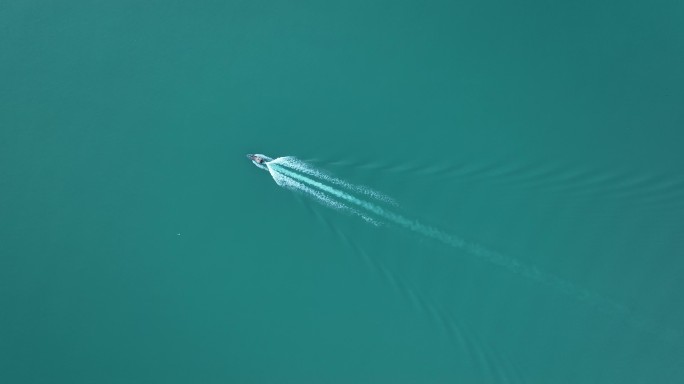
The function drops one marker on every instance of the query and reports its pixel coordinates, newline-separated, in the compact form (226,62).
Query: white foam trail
(300,166)
(283,172)
(493,257)
(291,183)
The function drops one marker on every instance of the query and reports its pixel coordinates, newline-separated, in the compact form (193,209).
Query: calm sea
(139,245)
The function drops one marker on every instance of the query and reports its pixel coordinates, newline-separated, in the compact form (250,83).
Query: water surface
(137,244)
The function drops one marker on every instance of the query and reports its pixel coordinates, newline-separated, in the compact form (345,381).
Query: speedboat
(259,160)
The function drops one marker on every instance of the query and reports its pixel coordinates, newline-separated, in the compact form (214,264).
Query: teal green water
(138,244)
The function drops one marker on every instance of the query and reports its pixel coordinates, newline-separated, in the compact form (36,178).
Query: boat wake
(377,208)
(294,174)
